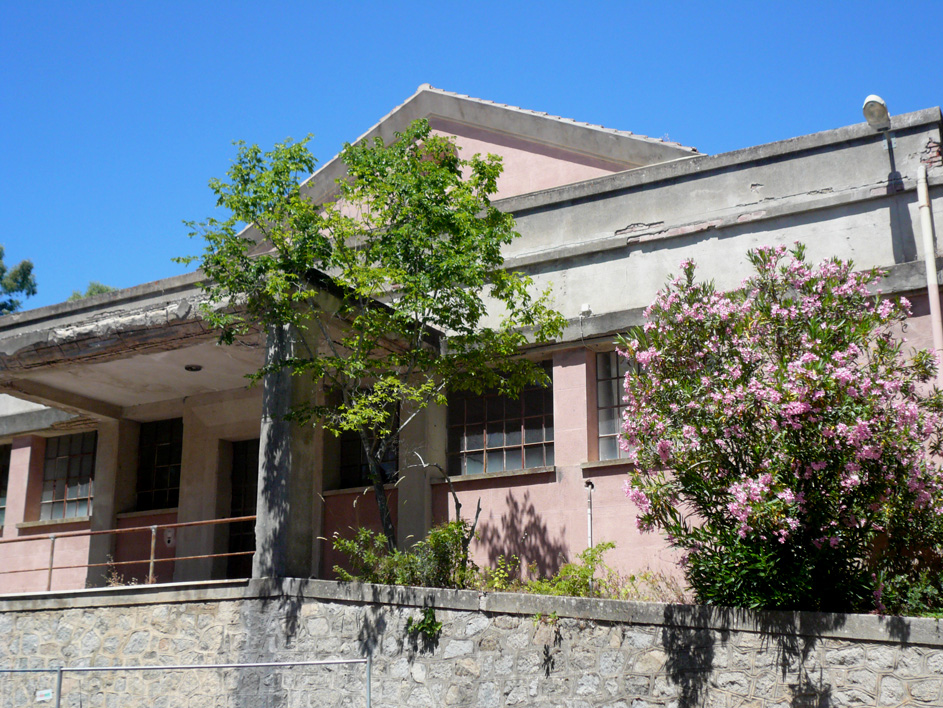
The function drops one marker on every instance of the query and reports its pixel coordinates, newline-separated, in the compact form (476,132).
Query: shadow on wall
(523,533)
(695,638)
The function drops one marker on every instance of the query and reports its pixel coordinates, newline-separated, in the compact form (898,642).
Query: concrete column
(573,398)
(25,484)
(289,508)
(199,480)
(115,473)
(426,435)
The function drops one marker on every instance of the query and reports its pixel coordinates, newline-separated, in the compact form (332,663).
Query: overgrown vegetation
(786,442)
(441,561)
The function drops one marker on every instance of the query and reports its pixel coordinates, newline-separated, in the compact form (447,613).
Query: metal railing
(60,671)
(152,559)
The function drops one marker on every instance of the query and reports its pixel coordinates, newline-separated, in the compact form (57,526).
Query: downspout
(929,257)
(589,522)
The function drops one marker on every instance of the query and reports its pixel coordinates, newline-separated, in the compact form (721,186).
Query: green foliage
(387,291)
(785,442)
(18,280)
(94,288)
(439,561)
(576,579)
(428,627)
(505,576)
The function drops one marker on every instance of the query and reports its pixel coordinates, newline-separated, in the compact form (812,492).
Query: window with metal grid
(496,433)
(610,390)
(160,450)
(68,472)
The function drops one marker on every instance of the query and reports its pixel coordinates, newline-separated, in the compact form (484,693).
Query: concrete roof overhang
(106,354)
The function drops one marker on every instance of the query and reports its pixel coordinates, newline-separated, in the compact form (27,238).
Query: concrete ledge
(872,628)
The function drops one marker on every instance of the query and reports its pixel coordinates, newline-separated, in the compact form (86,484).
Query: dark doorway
(245,487)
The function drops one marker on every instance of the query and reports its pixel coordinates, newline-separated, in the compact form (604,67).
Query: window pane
(495,461)
(474,438)
(474,463)
(607,421)
(514,433)
(534,456)
(496,437)
(533,430)
(608,448)
(604,369)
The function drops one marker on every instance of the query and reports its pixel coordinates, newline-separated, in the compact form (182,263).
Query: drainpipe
(929,257)
(589,521)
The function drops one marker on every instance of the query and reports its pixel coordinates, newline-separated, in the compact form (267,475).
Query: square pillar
(289,510)
(25,483)
(426,434)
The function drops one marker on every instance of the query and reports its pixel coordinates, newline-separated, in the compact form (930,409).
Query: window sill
(354,490)
(54,522)
(606,466)
(463,478)
(145,512)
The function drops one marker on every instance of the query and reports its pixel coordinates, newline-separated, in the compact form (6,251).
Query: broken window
(610,390)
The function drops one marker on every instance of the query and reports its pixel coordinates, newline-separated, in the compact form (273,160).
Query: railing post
(369,671)
(52,553)
(58,686)
(150,570)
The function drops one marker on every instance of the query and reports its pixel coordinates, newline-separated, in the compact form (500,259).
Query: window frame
(515,434)
(68,476)
(610,406)
(159,464)
(5,452)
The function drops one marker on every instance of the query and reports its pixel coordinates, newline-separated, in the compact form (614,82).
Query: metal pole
(58,686)
(52,552)
(369,671)
(589,522)
(929,257)
(150,569)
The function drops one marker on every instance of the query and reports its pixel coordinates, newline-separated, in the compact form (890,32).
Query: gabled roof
(563,139)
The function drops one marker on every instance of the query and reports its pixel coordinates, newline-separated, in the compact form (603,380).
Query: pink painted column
(25,482)
(572,386)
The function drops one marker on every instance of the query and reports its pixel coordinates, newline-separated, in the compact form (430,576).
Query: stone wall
(494,650)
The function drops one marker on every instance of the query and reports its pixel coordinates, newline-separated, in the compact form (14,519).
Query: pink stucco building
(123,413)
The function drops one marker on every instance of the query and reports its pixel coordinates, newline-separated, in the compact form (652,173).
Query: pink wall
(344,513)
(136,545)
(32,553)
(528,166)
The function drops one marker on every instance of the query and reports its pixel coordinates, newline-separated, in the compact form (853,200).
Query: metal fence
(54,695)
(152,559)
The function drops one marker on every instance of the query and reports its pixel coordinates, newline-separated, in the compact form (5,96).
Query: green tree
(94,288)
(15,281)
(400,281)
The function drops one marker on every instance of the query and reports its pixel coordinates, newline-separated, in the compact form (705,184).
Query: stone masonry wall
(494,650)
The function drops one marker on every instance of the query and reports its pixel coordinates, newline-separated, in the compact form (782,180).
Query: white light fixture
(875,112)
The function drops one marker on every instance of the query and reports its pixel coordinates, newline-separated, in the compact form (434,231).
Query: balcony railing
(152,560)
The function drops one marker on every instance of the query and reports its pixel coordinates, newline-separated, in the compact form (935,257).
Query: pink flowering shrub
(784,440)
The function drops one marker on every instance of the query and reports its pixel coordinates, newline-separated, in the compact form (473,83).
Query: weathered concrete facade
(493,651)
(604,217)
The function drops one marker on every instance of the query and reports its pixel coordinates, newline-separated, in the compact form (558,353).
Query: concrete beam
(58,398)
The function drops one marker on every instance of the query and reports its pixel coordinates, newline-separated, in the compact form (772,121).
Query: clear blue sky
(114,115)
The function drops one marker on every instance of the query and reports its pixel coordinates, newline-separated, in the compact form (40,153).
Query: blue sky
(114,115)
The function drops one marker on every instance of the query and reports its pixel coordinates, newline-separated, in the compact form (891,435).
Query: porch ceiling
(143,378)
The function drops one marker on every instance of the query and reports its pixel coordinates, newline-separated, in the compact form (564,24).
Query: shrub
(439,561)
(784,441)
(576,579)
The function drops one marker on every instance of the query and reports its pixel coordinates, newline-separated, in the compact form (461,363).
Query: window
(494,433)
(354,469)
(160,450)
(610,375)
(5,451)
(68,469)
